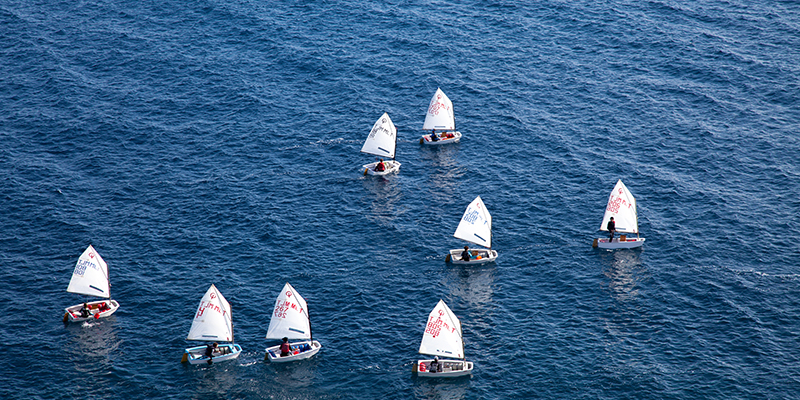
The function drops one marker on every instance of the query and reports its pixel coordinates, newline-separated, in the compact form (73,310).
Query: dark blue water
(218,142)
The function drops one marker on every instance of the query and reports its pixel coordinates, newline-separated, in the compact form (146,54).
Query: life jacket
(285,348)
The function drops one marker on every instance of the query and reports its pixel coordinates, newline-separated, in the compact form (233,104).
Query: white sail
(622,206)
(476,224)
(290,316)
(212,321)
(382,139)
(442,335)
(90,276)
(440,113)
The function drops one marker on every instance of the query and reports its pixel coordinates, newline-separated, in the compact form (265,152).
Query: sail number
(471,216)
(616,203)
(80,267)
(435,327)
(282,307)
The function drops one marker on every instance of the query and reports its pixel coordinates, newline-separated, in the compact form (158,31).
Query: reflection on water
(298,374)
(444,171)
(92,343)
(441,389)
(216,380)
(384,201)
(624,272)
(472,283)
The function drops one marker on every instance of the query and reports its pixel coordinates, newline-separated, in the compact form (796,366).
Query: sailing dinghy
(382,142)
(442,338)
(290,321)
(622,207)
(212,323)
(475,227)
(441,118)
(90,278)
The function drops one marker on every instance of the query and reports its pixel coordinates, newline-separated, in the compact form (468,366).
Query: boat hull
(73,313)
(274,352)
(391,167)
(426,139)
(450,369)
(620,244)
(485,255)
(224,352)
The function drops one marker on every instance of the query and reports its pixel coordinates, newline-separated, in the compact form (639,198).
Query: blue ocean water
(218,142)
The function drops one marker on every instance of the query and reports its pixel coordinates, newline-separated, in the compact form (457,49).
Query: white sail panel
(440,113)
(442,335)
(476,224)
(212,321)
(382,139)
(290,316)
(90,276)
(622,206)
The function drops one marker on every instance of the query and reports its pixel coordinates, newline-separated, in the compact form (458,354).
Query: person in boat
(380,167)
(210,349)
(465,254)
(286,350)
(612,227)
(85,313)
(435,365)
(434,138)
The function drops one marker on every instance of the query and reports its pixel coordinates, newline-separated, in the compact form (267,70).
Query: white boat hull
(483,256)
(224,352)
(73,313)
(451,137)
(617,243)
(391,167)
(274,352)
(450,369)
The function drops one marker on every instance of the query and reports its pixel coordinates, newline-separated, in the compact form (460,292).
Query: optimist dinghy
(440,117)
(290,321)
(382,142)
(475,227)
(212,323)
(442,338)
(622,207)
(90,278)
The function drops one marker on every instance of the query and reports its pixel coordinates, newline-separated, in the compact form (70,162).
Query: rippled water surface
(218,142)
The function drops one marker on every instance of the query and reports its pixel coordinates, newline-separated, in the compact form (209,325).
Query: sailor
(465,254)
(433,135)
(210,348)
(286,350)
(85,313)
(435,366)
(380,167)
(612,227)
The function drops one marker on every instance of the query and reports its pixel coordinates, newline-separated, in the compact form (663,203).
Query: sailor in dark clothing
(435,365)
(465,254)
(433,136)
(210,348)
(612,227)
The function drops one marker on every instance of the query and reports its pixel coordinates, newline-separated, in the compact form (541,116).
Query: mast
(454,118)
